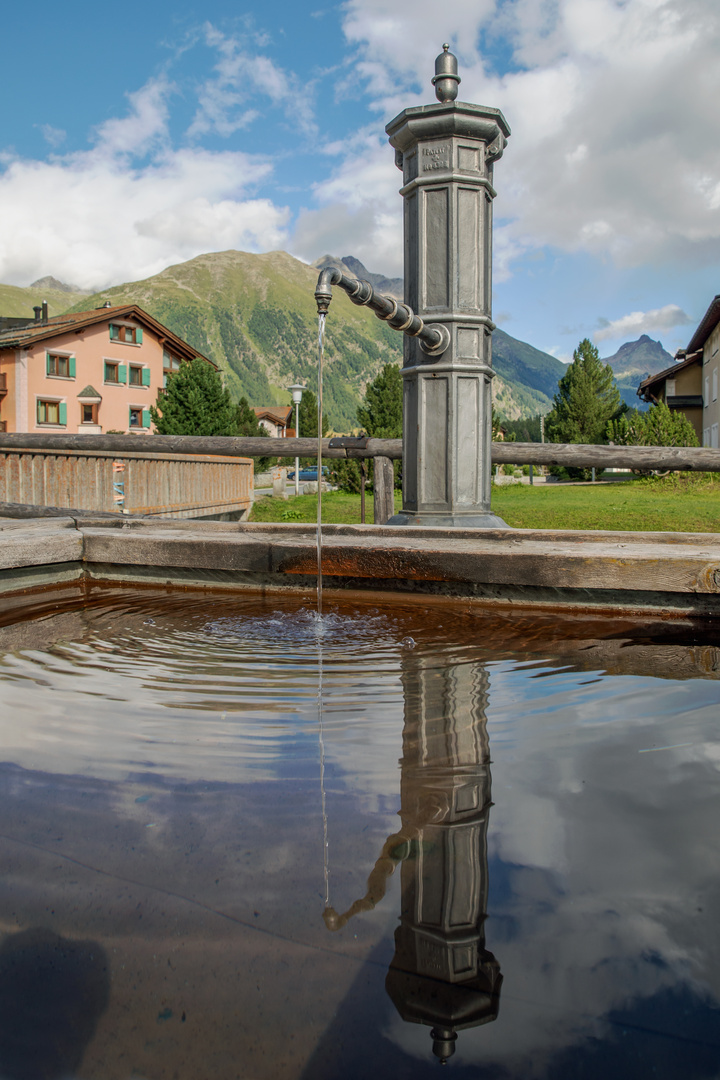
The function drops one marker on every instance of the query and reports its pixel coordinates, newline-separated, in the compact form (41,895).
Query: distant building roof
(33,332)
(279,414)
(707,324)
(644,389)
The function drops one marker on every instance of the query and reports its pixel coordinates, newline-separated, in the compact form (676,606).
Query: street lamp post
(297,393)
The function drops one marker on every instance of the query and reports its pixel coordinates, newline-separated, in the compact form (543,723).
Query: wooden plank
(384,490)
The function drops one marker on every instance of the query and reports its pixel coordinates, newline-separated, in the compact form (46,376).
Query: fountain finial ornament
(446,76)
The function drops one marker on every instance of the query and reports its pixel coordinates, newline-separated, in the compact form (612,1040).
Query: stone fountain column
(446,153)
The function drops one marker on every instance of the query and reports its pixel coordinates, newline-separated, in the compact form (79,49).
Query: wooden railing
(660,458)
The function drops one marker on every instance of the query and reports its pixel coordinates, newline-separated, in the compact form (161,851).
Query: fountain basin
(166,771)
(654,572)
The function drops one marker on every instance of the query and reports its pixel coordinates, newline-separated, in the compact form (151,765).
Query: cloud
(241,77)
(53,136)
(360,211)
(132,203)
(615,148)
(642,322)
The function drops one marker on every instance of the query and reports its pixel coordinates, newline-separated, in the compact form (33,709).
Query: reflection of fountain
(441,974)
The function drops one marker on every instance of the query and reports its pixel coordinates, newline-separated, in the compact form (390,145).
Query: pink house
(91,371)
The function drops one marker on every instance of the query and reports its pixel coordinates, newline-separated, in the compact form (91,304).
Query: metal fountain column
(446,153)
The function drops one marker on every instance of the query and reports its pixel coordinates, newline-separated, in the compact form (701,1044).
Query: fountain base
(486,520)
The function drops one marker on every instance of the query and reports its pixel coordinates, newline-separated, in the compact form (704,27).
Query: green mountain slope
(18,303)
(255,316)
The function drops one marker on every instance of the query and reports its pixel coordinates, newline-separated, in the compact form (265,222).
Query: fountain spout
(434,338)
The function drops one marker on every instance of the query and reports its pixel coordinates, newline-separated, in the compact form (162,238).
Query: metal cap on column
(446,153)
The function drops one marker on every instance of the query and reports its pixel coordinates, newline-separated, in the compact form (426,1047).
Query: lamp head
(297,393)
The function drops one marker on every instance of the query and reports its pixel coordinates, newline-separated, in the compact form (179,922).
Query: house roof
(668,373)
(279,414)
(707,324)
(33,332)
(89,392)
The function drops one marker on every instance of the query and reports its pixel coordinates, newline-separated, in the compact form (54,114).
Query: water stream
(321,353)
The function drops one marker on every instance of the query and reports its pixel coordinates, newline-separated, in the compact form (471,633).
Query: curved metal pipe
(434,338)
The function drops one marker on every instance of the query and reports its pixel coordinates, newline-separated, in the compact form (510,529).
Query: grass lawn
(338,508)
(671,504)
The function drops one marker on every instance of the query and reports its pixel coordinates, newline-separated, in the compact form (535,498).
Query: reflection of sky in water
(603,842)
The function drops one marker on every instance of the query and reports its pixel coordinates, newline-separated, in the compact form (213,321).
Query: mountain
(633,362)
(526,377)
(354,268)
(18,302)
(54,285)
(255,315)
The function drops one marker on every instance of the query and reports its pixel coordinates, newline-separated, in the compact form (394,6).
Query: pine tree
(586,400)
(195,402)
(381,416)
(381,411)
(309,417)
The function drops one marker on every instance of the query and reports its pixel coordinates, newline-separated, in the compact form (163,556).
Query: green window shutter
(122,373)
(138,335)
(62,410)
(114,333)
(47,363)
(146,376)
(71,366)
(146,418)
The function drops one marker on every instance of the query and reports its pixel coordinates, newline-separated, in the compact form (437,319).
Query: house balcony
(3,384)
(684,401)
(3,427)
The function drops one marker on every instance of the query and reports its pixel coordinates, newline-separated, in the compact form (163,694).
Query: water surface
(516,821)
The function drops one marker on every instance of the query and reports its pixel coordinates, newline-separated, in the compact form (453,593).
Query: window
(89,413)
(131,335)
(139,376)
(139,417)
(115,373)
(706,436)
(714,435)
(714,384)
(60,366)
(171,364)
(670,388)
(706,401)
(51,412)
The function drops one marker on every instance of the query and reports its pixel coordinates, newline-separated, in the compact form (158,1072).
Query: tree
(248,425)
(659,426)
(587,399)
(195,402)
(309,417)
(381,410)
(381,415)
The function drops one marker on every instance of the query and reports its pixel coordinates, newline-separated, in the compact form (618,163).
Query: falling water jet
(321,350)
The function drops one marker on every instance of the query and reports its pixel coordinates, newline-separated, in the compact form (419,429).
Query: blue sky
(137,137)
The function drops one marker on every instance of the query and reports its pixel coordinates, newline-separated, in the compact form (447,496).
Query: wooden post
(384,487)
(363,481)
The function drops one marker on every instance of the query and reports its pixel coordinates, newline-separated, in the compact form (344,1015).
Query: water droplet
(408,643)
